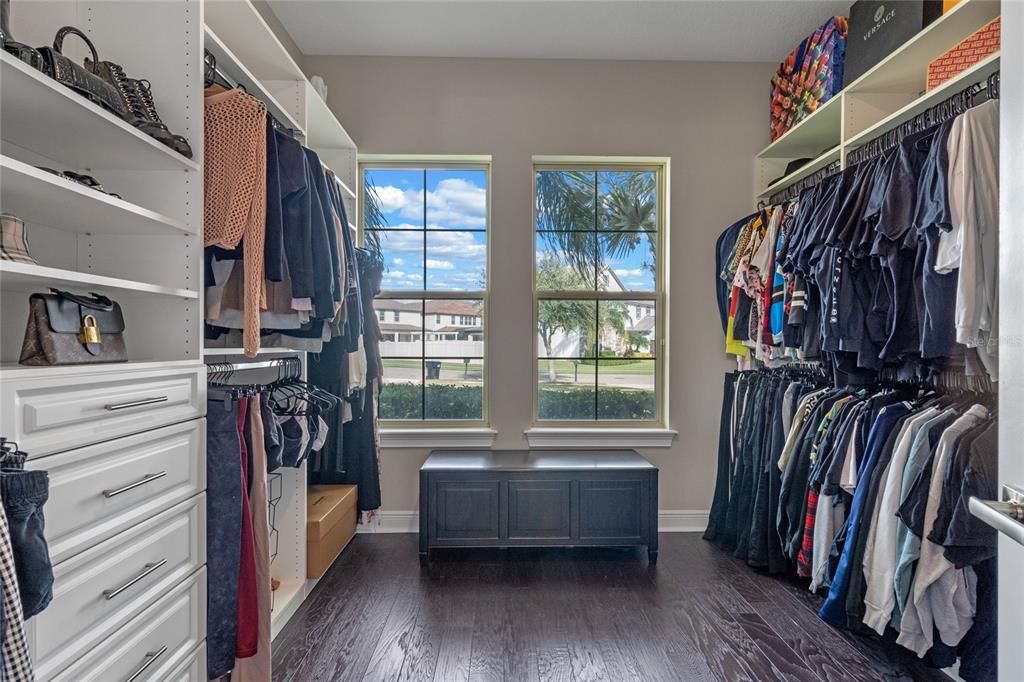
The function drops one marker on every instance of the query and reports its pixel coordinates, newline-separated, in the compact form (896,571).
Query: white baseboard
(392,522)
(682,520)
(669,521)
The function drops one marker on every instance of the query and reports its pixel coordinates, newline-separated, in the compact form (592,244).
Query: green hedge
(574,402)
(444,401)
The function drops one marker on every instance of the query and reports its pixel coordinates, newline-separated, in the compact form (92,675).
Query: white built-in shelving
(42,115)
(236,70)
(43,198)
(28,278)
(888,94)
(143,249)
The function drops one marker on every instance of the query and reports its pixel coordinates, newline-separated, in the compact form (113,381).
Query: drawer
(192,669)
(153,644)
(74,408)
(92,497)
(101,589)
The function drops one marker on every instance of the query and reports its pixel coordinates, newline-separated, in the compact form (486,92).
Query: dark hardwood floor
(575,615)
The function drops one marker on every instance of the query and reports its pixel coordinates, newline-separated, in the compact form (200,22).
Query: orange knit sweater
(235,191)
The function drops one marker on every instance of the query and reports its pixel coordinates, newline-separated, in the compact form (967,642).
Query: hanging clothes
(892,260)
(235,190)
(872,506)
(257,667)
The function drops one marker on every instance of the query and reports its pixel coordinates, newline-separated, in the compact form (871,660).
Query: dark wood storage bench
(538,498)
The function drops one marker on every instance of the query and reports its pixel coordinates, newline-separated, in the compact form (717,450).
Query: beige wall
(710,118)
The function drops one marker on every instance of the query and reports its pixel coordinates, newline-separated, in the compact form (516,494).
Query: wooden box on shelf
(330,524)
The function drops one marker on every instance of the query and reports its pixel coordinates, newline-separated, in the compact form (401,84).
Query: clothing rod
(258,364)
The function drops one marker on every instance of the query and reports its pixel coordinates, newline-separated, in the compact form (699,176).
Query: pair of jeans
(223,532)
(24,493)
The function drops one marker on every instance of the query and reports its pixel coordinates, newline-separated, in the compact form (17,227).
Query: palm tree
(584,214)
(373,219)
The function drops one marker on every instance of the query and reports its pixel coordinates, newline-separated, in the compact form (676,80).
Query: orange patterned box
(966,54)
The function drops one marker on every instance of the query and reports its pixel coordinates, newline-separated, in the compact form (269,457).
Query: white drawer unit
(100,590)
(192,669)
(152,645)
(101,490)
(80,406)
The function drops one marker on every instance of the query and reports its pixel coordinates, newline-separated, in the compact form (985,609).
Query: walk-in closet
(511,340)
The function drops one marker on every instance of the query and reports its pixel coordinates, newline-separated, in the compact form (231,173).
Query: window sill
(548,437)
(437,438)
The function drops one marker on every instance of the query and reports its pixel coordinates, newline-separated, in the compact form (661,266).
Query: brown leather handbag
(67,329)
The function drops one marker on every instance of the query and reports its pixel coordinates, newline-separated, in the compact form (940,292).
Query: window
(428,222)
(380,315)
(599,293)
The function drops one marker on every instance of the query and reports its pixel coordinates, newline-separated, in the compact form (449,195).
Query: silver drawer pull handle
(146,570)
(131,486)
(151,657)
(114,407)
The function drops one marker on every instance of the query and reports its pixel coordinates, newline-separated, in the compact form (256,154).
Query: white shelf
(977,73)
(323,130)
(42,115)
(215,352)
(287,598)
(43,198)
(819,131)
(345,188)
(230,64)
(9,370)
(829,157)
(906,69)
(29,278)
(253,42)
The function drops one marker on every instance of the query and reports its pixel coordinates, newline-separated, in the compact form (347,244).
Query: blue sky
(456,206)
(456,252)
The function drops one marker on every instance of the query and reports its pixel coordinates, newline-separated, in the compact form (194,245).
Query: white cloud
(636,272)
(398,261)
(458,245)
(391,198)
(440,264)
(454,203)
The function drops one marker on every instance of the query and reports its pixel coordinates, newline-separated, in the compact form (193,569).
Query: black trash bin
(433,369)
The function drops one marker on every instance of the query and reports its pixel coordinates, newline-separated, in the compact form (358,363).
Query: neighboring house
(640,320)
(436,328)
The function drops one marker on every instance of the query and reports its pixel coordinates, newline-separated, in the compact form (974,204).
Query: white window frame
(438,433)
(605,433)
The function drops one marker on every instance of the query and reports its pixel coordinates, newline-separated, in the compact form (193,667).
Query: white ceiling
(701,30)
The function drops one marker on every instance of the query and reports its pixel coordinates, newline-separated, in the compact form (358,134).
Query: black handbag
(78,78)
(67,329)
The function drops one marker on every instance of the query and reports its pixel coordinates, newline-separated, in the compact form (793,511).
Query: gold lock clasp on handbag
(90,331)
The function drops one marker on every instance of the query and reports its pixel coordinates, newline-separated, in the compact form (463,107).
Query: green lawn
(412,363)
(616,365)
(562,367)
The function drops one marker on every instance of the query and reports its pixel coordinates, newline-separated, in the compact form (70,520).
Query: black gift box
(879,28)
